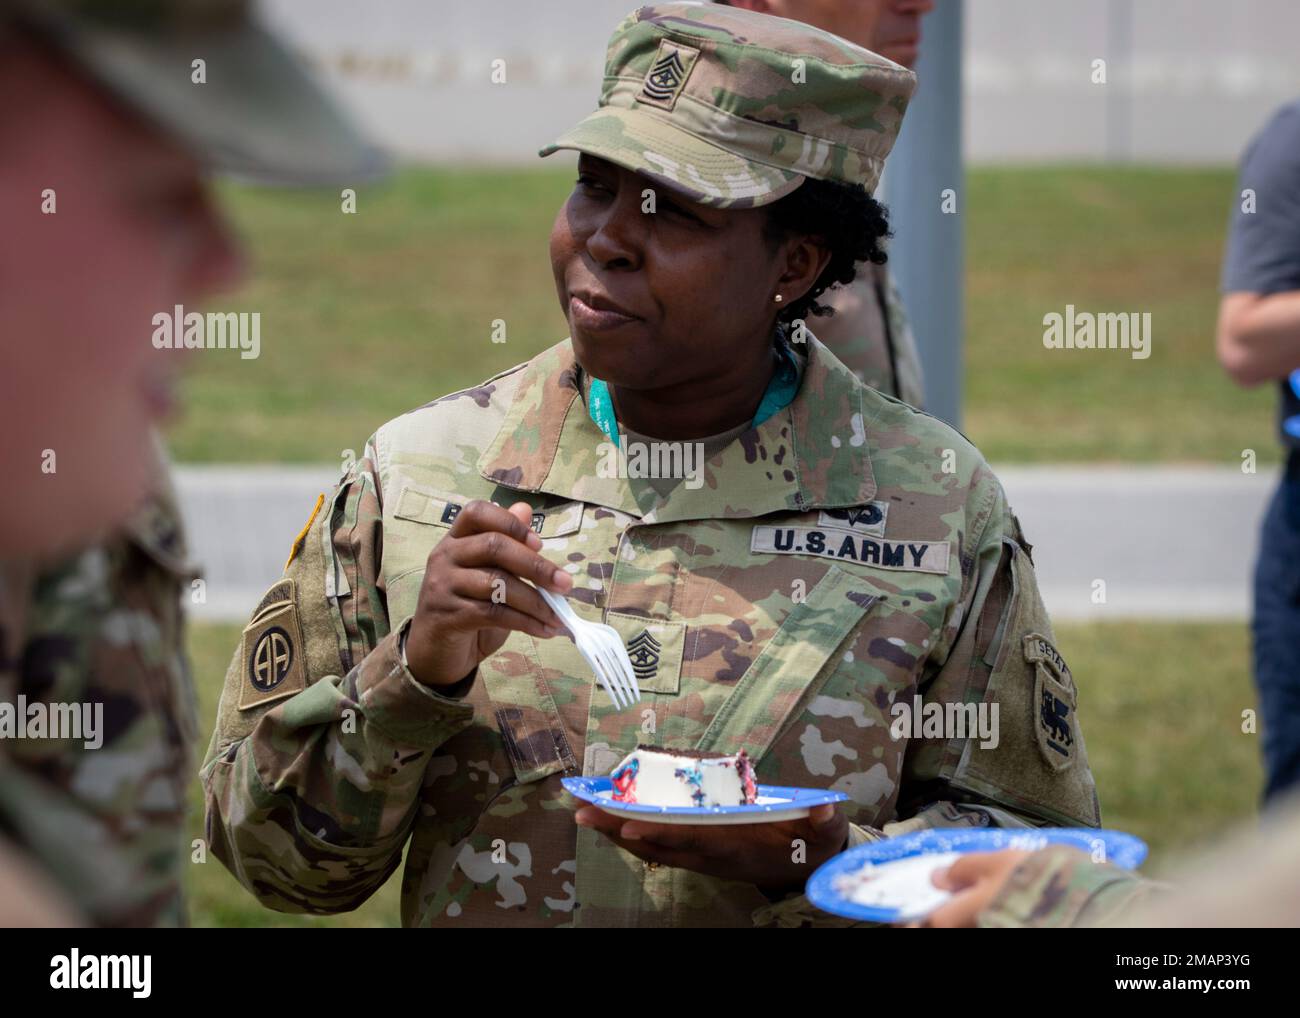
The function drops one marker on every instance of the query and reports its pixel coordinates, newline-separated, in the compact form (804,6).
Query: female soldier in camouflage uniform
(836,554)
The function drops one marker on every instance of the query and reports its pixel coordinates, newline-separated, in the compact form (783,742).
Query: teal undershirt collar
(779,394)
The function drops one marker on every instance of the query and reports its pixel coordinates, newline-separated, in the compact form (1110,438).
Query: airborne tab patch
(844,546)
(666,77)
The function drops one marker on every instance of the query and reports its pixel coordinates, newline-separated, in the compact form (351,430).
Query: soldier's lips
(602,319)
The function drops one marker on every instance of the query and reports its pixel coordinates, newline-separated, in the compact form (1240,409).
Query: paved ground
(1169,542)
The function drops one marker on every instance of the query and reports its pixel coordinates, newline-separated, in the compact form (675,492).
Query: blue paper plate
(776,802)
(1120,849)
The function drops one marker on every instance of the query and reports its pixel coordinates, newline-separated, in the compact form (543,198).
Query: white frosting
(664,779)
(904,884)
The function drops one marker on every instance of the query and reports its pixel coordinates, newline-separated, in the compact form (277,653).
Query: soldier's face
(106,225)
(897,31)
(658,298)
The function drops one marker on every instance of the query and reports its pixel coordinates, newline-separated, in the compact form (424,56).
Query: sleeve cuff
(402,707)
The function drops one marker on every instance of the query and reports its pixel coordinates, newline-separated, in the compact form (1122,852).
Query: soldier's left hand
(768,855)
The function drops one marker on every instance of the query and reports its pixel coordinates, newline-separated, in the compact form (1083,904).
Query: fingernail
(560,578)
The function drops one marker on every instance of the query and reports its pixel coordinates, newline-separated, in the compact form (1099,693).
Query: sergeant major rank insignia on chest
(643,650)
(663,82)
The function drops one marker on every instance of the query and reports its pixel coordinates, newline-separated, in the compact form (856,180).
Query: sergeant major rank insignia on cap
(1054,702)
(664,81)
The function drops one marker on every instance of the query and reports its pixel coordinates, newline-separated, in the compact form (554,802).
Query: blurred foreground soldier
(869,330)
(104,138)
(1259,341)
(813,554)
(1251,879)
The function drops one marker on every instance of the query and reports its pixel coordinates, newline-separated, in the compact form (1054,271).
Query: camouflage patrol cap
(257,114)
(736,109)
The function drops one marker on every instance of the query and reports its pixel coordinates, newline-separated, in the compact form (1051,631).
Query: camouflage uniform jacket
(870,333)
(1250,878)
(1061,886)
(847,554)
(105,627)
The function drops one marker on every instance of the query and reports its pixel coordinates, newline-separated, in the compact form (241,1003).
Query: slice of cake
(654,776)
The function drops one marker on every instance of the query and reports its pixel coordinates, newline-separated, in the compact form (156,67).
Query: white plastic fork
(602,648)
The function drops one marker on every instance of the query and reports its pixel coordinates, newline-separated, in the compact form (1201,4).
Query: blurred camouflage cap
(258,114)
(735,109)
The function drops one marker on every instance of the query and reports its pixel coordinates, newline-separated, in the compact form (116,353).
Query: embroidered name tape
(424,505)
(908,556)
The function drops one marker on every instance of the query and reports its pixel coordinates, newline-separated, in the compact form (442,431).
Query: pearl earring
(778,298)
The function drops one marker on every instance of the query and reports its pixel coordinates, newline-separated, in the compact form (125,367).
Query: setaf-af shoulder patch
(1054,701)
(271,652)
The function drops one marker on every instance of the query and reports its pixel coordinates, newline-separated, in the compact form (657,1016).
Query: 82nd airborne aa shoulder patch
(666,77)
(271,650)
(1055,699)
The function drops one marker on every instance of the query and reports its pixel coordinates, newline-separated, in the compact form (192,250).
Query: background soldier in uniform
(869,330)
(1251,879)
(844,553)
(104,134)
(1259,341)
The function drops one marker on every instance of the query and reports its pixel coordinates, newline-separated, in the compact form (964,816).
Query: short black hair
(845,217)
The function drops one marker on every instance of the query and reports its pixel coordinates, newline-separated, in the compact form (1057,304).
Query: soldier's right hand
(473,592)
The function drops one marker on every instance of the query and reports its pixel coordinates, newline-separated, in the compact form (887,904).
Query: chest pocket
(525,712)
(421,516)
(789,668)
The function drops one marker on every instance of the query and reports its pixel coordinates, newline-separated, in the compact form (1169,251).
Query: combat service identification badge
(271,650)
(1054,700)
(664,81)
(863,519)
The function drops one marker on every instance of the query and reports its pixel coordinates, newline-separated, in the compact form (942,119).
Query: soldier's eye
(586,182)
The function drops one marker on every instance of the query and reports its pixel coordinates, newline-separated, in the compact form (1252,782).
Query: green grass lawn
(1161,712)
(367,315)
